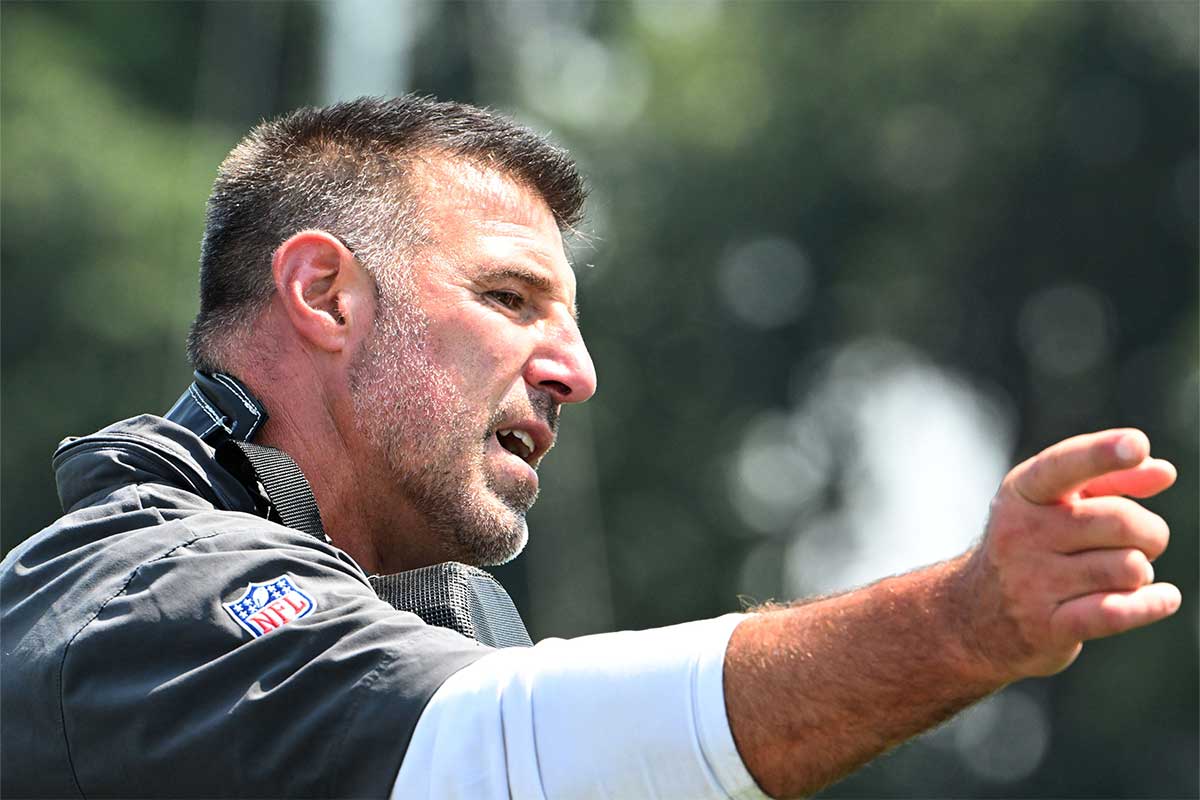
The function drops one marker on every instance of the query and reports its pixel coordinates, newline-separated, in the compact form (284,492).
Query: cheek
(479,356)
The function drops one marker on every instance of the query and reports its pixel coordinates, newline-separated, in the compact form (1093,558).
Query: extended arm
(805,694)
(815,690)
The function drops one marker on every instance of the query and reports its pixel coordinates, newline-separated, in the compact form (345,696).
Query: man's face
(475,347)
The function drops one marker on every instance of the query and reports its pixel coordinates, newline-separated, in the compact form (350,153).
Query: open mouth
(519,443)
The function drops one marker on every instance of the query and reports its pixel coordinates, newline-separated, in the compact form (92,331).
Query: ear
(326,294)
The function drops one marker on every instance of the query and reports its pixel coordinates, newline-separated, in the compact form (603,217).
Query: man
(387,282)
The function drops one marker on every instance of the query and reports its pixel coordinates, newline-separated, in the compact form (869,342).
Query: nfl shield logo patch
(263,607)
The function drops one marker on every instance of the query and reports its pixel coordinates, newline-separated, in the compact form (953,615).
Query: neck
(359,509)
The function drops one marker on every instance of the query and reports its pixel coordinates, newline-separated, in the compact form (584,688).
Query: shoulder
(221,633)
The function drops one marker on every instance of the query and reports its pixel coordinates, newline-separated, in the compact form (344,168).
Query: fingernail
(1149,572)
(1127,449)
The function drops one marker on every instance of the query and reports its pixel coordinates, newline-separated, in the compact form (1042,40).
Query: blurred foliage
(1009,189)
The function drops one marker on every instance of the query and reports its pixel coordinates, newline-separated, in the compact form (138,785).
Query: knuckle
(1081,628)
(1104,573)
(1115,570)
(1076,626)
(999,501)
(1022,479)
(1097,519)
(1143,529)
(1121,515)
(1158,534)
(1004,527)
(1042,467)
(1131,572)
(1095,574)
(1118,521)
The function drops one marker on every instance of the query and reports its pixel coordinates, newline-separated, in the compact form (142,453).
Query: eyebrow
(532,279)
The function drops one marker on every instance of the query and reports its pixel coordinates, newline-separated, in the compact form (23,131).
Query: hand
(1065,557)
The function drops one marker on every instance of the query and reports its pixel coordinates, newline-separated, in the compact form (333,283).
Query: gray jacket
(160,639)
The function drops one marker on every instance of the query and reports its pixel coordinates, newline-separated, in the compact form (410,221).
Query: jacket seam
(66,649)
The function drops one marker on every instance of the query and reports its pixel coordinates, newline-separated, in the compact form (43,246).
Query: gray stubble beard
(393,386)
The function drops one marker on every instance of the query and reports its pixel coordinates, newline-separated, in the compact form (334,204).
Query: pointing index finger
(1060,469)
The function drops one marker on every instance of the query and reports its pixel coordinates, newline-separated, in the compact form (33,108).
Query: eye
(510,300)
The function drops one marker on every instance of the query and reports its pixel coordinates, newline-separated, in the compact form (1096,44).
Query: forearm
(815,690)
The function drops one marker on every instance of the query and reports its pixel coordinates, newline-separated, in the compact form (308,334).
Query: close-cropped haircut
(344,169)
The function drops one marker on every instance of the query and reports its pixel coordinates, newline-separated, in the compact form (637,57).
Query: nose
(561,364)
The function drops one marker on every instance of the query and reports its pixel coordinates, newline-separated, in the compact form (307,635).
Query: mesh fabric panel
(459,597)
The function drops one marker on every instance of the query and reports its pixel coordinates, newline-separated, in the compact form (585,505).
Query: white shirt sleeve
(635,714)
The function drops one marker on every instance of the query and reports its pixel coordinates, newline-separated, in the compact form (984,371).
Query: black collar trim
(217,407)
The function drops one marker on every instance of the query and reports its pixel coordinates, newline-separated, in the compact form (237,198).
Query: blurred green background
(845,263)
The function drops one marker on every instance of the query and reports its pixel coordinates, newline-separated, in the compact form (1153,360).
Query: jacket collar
(217,407)
(176,451)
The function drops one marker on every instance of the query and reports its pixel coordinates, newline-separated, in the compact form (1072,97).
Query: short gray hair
(343,169)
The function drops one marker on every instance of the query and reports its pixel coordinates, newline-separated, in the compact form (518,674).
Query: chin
(497,542)
(477,520)
(514,545)
(486,525)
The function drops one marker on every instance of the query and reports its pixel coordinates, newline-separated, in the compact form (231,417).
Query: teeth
(521,436)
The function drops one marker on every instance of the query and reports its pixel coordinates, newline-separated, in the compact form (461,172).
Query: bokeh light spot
(779,468)
(922,148)
(568,75)
(1064,329)
(1004,738)
(765,282)
(913,453)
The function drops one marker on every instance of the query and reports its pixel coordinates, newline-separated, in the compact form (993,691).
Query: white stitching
(207,409)
(238,391)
